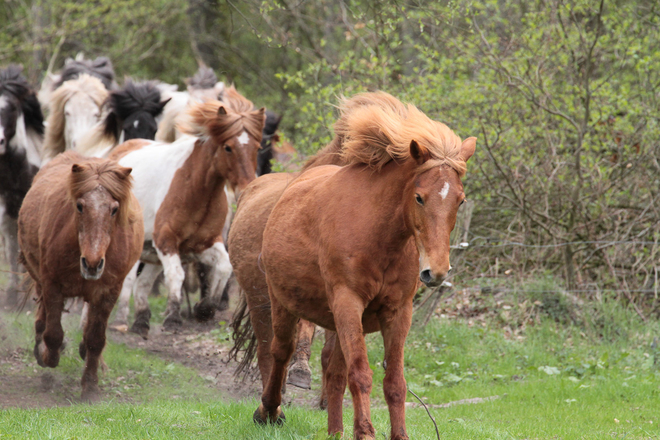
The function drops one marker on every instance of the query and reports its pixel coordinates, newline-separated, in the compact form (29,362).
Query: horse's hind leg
(142,313)
(93,341)
(174,276)
(216,260)
(39,327)
(300,375)
(121,317)
(50,308)
(334,384)
(326,354)
(284,341)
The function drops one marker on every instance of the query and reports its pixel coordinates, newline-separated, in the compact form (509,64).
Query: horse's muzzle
(91,272)
(431,279)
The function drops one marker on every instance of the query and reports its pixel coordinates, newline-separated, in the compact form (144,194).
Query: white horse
(75,108)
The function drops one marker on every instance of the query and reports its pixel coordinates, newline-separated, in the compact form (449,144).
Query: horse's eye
(114,211)
(227,148)
(79,207)
(419,199)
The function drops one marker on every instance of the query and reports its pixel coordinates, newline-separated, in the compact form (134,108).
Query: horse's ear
(75,168)
(418,152)
(162,104)
(467,148)
(123,172)
(222,110)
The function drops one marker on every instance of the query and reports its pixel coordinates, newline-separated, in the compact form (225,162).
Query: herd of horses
(120,184)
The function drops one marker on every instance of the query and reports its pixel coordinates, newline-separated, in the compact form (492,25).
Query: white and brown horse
(181,187)
(21,136)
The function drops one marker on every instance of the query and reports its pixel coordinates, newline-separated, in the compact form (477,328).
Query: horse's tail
(245,341)
(28,285)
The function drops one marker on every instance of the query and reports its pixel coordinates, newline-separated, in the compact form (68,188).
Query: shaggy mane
(204,78)
(100,68)
(95,172)
(376,128)
(86,84)
(236,101)
(203,121)
(12,82)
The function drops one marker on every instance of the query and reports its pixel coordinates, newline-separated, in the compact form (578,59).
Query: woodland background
(562,95)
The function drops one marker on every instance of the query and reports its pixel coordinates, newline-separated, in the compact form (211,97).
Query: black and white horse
(21,137)
(130,113)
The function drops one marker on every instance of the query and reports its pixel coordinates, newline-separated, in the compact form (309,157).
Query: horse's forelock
(89,174)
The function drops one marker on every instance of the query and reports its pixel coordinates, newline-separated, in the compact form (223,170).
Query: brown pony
(253,333)
(344,248)
(80,231)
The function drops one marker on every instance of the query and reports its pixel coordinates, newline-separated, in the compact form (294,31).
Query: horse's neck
(205,182)
(388,190)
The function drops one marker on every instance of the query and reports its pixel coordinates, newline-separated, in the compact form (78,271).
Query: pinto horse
(80,230)
(21,136)
(345,247)
(75,108)
(130,113)
(181,187)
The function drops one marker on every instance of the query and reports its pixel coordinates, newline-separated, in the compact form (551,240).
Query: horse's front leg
(121,317)
(216,260)
(145,281)
(394,325)
(300,375)
(50,309)
(284,342)
(326,356)
(348,308)
(9,229)
(334,383)
(93,341)
(174,276)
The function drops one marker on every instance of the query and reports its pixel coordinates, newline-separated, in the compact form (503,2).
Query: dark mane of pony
(92,172)
(101,68)
(204,78)
(134,97)
(14,83)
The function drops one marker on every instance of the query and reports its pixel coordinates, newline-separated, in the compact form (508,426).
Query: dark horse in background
(21,137)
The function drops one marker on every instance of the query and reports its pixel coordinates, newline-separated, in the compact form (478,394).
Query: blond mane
(376,128)
(54,142)
(203,121)
(94,172)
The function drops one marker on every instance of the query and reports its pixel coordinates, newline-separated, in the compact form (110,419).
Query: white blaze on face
(243,138)
(445,190)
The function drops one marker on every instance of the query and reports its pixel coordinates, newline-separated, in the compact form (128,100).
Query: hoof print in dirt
(91,396)
(261,417)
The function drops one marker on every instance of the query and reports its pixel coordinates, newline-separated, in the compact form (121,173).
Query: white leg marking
(217,258)
(121,318)
(174,276)
(144,282)
(445,190)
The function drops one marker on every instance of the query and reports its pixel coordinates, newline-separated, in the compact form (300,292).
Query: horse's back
(122,150)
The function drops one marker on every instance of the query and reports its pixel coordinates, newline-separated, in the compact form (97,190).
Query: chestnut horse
(344,248)
(181,188)
(80,231)
(253,333)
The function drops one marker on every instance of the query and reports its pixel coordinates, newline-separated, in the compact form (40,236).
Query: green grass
(593,378)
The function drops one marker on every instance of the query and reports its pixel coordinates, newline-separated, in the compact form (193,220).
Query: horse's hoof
(82,350)
(37,354)
(300,377)
(224,305)
(140,328)
(323,402)
(173,321)
(261,416)
(203,311)
(90,395)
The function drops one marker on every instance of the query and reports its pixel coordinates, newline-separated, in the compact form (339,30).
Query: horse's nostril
(101,263)
(2,141)
(84,263)
(425,276)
